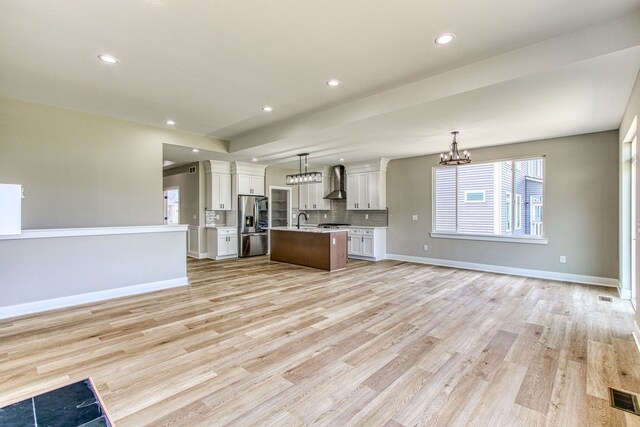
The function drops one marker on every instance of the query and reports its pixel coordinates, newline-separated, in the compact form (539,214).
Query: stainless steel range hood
(337,179)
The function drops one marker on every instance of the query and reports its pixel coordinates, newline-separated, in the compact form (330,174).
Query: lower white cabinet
(222,242)
(367,243)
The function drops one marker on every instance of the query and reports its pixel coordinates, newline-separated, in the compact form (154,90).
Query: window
(494,199)
(517,211)
(474,196)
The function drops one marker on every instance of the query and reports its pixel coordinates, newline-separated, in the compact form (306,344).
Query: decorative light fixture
(453,157)
(304,177)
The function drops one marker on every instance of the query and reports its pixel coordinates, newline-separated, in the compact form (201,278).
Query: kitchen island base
(327,251)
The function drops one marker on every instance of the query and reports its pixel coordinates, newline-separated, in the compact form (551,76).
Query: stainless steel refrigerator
(253,223)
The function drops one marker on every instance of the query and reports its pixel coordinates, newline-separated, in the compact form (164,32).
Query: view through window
(502,198)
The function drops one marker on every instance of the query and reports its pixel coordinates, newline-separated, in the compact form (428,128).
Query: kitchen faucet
(306,218)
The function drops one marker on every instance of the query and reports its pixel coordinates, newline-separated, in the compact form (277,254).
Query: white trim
(95,231)
(636,335)
(197,255)
(624,293)
(467,192)
(538,274)
(71,300)
(508,239)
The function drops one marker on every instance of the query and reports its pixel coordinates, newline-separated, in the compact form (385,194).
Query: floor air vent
(608,299)
(624,401)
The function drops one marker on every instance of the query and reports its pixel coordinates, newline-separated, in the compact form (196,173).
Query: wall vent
(624,401)
(607,299)
(192,169)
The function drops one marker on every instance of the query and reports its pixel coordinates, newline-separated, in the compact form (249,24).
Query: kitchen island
(312,247)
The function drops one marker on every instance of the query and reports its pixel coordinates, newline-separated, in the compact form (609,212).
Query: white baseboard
(538,274)
(636,335)
(69,301)
(196,255)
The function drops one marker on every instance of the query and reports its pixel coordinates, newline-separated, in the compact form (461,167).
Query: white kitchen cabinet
(367,186)
(251,184)
(311,197)
(221,196)
(218,185)
(222,242)
(367,243)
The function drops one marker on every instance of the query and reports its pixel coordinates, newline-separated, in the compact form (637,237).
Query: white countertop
(93,231)
(308,229)
(345,227)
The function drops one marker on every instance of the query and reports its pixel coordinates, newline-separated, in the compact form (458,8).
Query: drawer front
(226,231)
(356,231)
(367,232)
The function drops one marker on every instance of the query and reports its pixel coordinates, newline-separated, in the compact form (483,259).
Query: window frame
(511,238)
(484,196)
(517,212)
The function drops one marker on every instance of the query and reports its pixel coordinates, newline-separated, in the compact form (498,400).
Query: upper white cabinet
(311,196)
(218,185)
(367,186)
(248,179)
(251,184)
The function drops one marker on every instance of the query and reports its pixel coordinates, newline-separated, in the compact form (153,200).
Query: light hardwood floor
(251,342)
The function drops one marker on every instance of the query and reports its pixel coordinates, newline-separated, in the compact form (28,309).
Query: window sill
(511,239)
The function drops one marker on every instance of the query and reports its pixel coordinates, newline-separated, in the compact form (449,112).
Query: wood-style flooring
(252,342)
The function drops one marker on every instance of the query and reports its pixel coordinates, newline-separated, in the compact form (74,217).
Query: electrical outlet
(426,247)
(414,217)
(22,192)
(194,217)
(325,216)
(366,216)
(217,216)
(563,259)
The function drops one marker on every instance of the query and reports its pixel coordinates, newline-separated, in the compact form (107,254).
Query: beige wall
(581,209)
(189,185)
(278,177)
(81,170)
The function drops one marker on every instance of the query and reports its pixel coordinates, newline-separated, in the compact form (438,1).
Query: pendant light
(304,177)
(453,157)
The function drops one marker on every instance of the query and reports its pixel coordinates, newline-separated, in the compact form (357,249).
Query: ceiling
(516,71)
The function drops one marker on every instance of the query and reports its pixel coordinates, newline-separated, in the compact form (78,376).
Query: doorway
(634,223)
(172,205)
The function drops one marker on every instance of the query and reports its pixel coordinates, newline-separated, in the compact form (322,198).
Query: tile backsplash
(210,218)
(340,214)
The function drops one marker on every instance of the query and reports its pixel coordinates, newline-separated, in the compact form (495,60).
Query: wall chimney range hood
(338,176)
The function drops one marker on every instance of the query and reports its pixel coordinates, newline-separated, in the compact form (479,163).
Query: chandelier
(304,177)
(453,157)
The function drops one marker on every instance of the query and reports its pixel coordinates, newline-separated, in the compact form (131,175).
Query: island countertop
(310,230)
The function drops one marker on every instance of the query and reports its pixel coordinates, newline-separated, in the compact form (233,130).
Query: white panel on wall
(10,209)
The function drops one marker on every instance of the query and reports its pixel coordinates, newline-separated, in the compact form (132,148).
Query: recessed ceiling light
(445,38)
(267,108)
(333,82)
(108,58)
(254,160)
(170,122)
(195,150)
(342,160)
